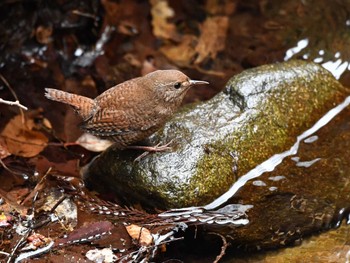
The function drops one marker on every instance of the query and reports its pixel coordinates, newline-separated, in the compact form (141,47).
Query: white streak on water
(294,50)
(307,163)
(311,139)
(337,68)
(271,163)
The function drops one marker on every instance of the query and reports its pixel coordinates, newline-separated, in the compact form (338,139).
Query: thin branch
(13,103)
(23,141)
(80,13)
(13,94)
(34,253)
(8,169)
(223,247)
(19,243)
(37,188)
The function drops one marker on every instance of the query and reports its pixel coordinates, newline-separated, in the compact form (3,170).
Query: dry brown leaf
(161,12)
(217,7)
(22,139)
(213,37)
(143,235)
(5,220)
(43,34)
(4,152)
(47,124)
(182,54)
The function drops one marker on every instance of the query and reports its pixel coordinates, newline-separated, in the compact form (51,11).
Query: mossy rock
(259,113)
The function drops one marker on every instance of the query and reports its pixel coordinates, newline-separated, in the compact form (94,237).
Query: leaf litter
(86,47)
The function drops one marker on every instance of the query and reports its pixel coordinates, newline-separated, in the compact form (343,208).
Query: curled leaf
(21,137)
(142,234)
(213,38)
(162,28)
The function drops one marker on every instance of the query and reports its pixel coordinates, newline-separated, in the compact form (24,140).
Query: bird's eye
(177,85)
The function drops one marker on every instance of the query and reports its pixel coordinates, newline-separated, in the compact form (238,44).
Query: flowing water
(316,169)
(308,185)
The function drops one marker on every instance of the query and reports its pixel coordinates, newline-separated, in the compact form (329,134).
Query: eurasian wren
(130,111)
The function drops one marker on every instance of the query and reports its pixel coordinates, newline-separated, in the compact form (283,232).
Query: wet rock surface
(307,193)
(260,112)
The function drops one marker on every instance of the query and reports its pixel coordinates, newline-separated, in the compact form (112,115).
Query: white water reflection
(295,50)
(311,139)
(337,67)
(305,164)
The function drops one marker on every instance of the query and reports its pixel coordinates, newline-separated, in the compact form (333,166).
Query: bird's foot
(149,149)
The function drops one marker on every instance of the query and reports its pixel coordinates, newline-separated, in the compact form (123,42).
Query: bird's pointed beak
(198,82)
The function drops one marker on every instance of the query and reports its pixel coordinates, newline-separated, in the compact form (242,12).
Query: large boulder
(259,113)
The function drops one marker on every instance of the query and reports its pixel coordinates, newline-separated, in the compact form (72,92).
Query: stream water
(314,174)
(316,169)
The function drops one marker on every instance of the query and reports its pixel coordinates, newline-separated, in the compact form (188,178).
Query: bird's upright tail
(82,105)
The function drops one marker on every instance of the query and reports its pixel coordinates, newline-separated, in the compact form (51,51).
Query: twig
(59,144)
(37,188)
(144,249)
(62,198)
(13,94)
(19,243)
(80,13)
(8,169)
(223,247)
(23,141)
(13,103)
(52,210)
(35,252)
(63,144)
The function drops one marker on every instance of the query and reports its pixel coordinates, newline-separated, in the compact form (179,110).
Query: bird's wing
(114,122)
(107,122)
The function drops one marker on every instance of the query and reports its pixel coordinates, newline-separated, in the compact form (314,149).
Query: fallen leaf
(43,34)
(162,28)
(12,199)
(87,233)
(142,234)
(5,220)
(21,138)
(183,53)
(101,255)
(66,210)
(4,152)
(217,7)
(47,124)
(36,240)
(213,38)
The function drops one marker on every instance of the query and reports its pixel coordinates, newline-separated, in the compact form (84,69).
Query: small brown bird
(130,111)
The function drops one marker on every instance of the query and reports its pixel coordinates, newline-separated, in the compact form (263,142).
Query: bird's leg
(156,148)
(149,149)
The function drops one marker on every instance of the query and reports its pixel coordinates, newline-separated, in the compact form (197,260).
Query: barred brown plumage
(130,111)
